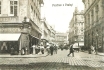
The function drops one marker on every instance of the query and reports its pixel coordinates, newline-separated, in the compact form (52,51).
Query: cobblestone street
(60,61)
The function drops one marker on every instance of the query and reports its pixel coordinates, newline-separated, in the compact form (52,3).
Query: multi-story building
(60,38)
(76,28)
(19,25)
(94,24)
(48,33)
(45,33)
(52,35)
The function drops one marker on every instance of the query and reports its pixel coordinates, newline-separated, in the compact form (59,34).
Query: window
(89,19)
(32,8)
(97,9)
(0,7)
(92,16)
(13,7)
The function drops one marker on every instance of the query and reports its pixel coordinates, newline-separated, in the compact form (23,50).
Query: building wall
(94,26)
(76,27)
(26,20)
(52,35)
(34,9)
(45,34)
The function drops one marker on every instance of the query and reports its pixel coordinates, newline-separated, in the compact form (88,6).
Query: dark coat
(51,48)
(71,49)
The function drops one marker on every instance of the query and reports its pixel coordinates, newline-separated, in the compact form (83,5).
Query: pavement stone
(60,61)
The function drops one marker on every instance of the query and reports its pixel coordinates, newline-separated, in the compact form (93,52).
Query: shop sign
(9,19)
(10,30)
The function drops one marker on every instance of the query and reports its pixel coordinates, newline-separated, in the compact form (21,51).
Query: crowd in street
(49,49)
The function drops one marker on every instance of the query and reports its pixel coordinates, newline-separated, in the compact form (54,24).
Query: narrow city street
(59,61)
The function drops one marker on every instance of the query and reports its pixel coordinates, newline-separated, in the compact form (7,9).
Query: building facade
(52,35)
(94,24)
(19,25)
(61,38)
(76,28)
(48,33)
(45,34)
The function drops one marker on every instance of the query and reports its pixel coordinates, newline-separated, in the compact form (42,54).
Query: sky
(58,13)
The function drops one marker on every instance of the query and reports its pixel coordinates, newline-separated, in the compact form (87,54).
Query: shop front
(9,43)
(34,41)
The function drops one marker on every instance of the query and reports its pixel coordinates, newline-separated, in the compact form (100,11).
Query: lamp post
(97,44)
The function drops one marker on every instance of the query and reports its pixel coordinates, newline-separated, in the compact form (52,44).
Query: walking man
(71,50)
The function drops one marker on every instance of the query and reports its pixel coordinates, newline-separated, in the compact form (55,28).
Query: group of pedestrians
(39,48)
(51,49)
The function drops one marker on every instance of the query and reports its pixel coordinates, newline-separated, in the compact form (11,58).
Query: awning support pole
(20,48)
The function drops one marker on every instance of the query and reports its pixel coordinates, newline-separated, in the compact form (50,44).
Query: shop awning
(9,37)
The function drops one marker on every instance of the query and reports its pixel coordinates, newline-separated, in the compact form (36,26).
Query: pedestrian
(42,49)
(92,49)
(38,48)
(48,49)
(55,49)
(34,49)
(23,51)
(12,50)
(26,52)
(71,50)
(51,49)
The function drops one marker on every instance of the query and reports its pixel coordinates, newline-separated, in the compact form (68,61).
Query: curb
(23,56)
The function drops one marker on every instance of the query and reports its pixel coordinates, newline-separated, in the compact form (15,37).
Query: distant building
(61,38)
(19,25)
(52,35)
(76,28)
(48,33)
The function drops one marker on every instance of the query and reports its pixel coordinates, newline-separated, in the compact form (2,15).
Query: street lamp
(96,48)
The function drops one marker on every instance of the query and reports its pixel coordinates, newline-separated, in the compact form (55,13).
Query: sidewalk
(24,56)
(102,54)
(99,53)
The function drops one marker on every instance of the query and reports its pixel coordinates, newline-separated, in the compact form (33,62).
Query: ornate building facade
(45,32)
(94,24)
(19,25)
(76,28)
